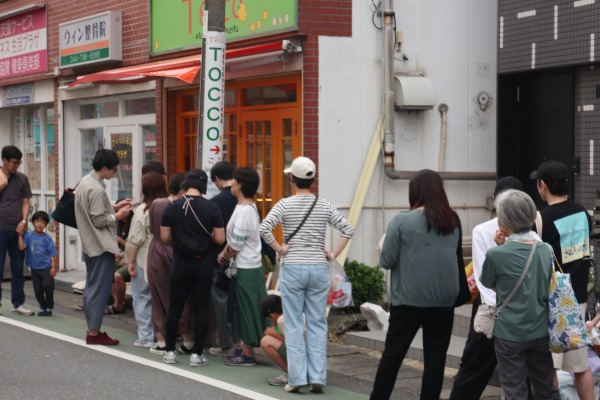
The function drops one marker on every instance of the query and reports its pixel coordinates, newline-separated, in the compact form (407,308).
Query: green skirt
(250,291)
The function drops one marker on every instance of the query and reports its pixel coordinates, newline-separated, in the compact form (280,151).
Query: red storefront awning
(184,68)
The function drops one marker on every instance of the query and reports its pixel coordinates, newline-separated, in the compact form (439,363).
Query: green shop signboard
(177,24)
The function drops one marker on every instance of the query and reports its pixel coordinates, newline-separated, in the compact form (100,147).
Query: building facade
(303,77)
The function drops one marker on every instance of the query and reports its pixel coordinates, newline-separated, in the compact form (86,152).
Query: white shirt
(243,236)
(483,240)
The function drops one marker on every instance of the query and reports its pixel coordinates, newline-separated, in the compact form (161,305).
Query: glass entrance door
(124,141)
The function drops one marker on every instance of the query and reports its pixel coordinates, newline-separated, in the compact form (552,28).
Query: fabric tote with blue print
(566,328)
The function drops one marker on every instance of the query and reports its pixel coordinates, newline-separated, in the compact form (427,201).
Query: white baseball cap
(302,167)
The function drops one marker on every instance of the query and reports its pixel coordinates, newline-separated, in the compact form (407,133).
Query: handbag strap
(514,290)
(188,206)
(286,241)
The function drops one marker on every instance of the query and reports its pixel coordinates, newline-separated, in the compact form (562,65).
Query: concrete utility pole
(212,90)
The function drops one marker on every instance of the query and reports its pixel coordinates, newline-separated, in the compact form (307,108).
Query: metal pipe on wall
(388,111)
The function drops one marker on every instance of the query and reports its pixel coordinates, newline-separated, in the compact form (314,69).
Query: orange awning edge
(184,68)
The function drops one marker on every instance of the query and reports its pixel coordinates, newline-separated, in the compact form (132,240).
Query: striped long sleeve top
(306,247)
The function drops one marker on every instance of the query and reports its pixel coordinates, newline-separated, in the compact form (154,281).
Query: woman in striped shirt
(304,277)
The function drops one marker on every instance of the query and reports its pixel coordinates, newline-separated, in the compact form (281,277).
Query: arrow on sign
(216,150)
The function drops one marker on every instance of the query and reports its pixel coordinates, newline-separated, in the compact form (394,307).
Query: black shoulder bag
(286,241)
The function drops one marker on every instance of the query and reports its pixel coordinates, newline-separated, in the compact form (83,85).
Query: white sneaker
(22,310)
(280,380)
(143,343)
(197,360)
(170,357)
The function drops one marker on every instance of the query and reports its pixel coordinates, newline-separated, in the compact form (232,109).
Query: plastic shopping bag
(340,294)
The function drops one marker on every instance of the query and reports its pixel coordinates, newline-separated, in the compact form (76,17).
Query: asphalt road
(47,358)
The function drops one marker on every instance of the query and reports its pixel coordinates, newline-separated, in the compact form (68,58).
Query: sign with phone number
(91,40)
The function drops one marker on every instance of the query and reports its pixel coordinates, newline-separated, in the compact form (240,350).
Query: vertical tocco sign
(213,69)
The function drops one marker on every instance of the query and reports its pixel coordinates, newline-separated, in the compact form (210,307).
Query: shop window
(149,137)
(274,94)
(230,98)
(99,110)
(140,106)
(50,153)
(91,141)
(190,103)
(33,133)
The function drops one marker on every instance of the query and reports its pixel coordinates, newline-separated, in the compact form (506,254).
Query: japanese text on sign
(23,44)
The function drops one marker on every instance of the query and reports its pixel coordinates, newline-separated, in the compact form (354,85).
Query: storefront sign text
(214,86)
(91,40)
(23,44)
(18,94)
(178,25)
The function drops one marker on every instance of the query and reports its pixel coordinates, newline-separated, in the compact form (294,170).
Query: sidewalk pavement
(350,367)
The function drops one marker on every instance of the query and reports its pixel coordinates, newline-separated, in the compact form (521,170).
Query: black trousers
(477,364)
(43,288)
(405,321)
(195,277)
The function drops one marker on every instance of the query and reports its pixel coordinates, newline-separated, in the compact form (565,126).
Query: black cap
(508,182)
(551,171)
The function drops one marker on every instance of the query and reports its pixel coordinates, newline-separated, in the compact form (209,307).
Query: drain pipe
(443,109)
(388,96)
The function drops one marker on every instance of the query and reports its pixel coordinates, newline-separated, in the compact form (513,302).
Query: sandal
(79,308)
(111,310)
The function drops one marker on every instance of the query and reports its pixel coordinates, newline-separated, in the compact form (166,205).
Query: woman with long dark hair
(153,187)
(423,250)
(193,224)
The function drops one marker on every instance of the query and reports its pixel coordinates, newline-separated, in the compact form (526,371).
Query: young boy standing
(40,258)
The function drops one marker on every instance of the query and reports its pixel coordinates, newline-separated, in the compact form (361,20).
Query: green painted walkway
(251,378)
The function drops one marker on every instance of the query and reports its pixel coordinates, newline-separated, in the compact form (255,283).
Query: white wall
(452,43)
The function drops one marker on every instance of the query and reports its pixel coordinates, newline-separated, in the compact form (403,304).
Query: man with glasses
(96,221)
(15,193)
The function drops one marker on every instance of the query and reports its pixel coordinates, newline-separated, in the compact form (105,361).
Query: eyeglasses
(16,163)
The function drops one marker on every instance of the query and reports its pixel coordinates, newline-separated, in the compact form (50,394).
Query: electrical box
(413,93)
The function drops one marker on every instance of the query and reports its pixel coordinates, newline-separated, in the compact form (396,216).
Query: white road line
(139,360)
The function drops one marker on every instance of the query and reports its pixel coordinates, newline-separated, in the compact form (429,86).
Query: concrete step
(375,340)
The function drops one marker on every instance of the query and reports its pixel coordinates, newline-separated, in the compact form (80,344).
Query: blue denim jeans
(142,306)
(304,289)
(9,242)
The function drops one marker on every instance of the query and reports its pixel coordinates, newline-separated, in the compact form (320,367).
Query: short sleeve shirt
(243,236)
(525,317)
(11,201)
(566,227)
(39,249)
(176,218)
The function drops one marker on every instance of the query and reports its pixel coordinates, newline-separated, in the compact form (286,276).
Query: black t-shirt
(226,202)
(566,226)
(189,238)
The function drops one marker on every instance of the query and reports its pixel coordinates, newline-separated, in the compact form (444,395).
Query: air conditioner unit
(413,93)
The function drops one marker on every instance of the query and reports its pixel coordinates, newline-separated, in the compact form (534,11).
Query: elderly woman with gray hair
(521,329)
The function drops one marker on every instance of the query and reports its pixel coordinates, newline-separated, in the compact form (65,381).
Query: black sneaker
(184,350)
(45,313)
(156,349)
